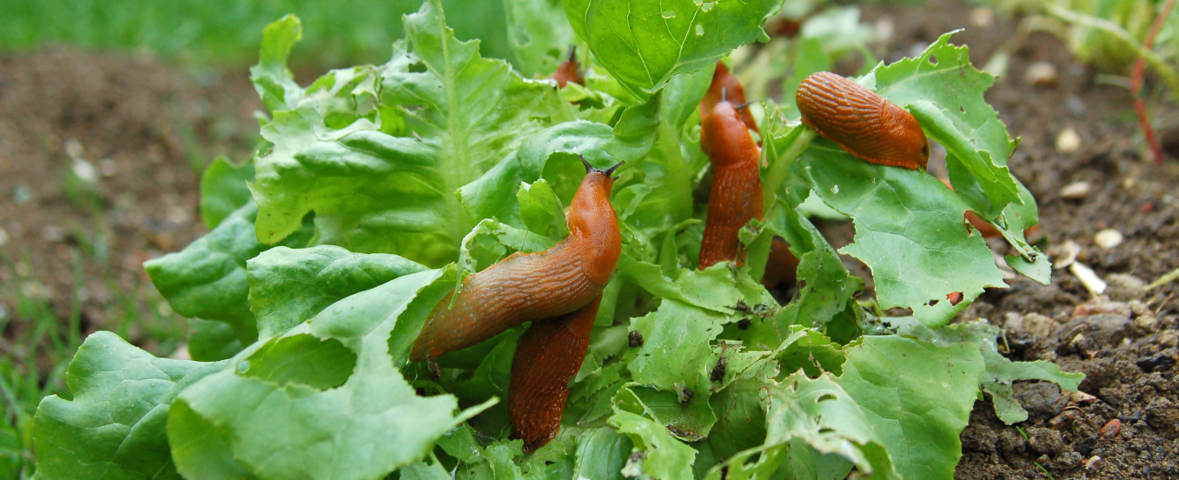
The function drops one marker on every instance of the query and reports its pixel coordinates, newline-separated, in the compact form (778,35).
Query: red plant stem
(1136,86)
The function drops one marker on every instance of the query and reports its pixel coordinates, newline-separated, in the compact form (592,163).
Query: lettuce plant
(377,188)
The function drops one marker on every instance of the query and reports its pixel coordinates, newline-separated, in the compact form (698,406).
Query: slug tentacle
(726,88)
(861,121)
(548,356)
(532,286)
(569,70)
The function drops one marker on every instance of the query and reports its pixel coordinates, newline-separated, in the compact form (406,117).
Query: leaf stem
(797,141)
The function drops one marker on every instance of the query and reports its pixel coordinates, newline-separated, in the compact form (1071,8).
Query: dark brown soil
(1126,422)
(146,129)
(143,131)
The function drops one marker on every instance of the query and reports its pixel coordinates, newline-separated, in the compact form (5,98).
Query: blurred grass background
(226,33)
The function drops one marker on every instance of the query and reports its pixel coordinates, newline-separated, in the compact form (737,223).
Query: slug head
(726,88)
(569,70)
(592,222)
(909,147)
(725,138)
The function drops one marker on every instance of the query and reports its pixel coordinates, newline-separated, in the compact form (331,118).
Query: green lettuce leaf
(208,278)
(642,44)
(327,389)
(223,190)
(378,152)
(113,427)
(288,285)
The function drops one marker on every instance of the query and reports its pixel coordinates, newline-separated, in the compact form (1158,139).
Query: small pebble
(1076,190)
(84,171)
(1111,428)
(1108,238)
(1040,74)
(73,148)
(52,234)
(982,17)
(1068,141)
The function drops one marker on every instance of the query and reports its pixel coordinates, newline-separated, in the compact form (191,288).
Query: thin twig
(1136,85)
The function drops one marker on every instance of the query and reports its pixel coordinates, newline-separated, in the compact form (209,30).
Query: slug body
(781,266)
(984,228)
(547,358)
(568,71)
(736,195)
(726,87)
(532,286)
(862,122)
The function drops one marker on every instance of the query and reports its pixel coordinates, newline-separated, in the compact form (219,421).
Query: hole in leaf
(932,60)
(302,359)
(417,67)
(961,108)
(825,397)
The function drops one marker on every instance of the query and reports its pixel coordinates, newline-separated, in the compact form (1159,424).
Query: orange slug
(861,122)
(781,266)
(984,228)
(547,358)
(726,88)
(736,195)
(568,71)
(533,286)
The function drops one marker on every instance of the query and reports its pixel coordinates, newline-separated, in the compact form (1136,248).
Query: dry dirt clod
(1045,440)
(1032,324)
(1081,398)
(1076,190)
(1123,286)
(1102,304)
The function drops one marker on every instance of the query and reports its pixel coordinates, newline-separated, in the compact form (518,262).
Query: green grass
(228,31)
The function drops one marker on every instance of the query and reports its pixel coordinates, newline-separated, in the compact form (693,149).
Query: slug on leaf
(569,70)
(736,195)
(862,122)
(984,228)
(547,358)
(533,286)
